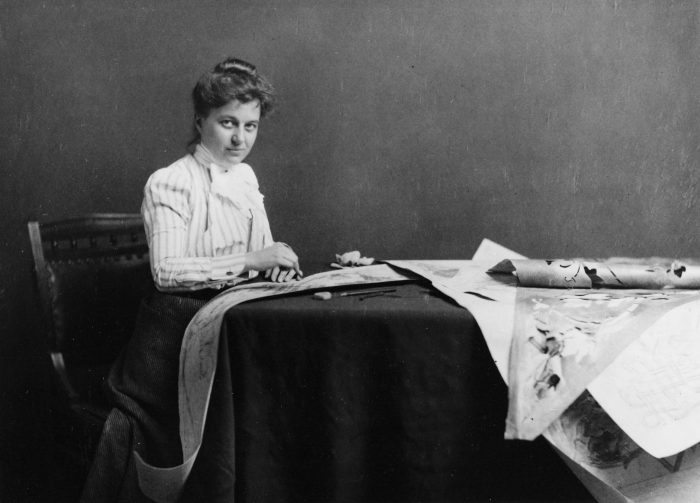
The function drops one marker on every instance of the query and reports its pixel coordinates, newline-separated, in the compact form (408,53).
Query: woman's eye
(227,123)
(251,127)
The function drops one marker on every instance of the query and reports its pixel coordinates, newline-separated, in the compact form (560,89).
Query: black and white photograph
(350,251)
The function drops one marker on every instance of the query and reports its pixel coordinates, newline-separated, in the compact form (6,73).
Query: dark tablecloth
(384,399)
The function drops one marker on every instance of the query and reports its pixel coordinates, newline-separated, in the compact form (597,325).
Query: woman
(207,229)
(204,216)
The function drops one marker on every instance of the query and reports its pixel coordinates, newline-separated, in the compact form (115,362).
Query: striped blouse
(200,222)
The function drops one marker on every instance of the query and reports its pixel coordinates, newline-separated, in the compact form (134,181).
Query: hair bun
(231,65)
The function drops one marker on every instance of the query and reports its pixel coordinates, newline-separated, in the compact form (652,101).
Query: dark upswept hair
(232,79)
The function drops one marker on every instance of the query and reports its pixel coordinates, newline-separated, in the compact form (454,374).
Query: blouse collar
(234,182)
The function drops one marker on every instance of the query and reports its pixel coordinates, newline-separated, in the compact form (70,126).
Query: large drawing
(565,338)
(653,388)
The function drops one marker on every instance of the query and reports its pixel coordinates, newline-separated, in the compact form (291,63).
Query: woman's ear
(198,123)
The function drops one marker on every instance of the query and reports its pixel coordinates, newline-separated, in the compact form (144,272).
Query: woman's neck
(204,156)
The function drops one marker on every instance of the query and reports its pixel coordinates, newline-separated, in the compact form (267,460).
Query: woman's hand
(280,275)
(279,261)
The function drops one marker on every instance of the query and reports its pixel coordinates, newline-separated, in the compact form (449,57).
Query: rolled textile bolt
(323,295)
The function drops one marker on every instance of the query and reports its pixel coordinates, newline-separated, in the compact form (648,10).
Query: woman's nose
(236,138)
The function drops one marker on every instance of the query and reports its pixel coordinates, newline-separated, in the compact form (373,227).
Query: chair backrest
(91,273)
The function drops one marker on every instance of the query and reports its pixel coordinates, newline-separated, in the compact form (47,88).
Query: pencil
(365,292)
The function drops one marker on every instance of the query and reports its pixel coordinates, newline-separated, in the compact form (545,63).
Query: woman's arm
(167,214)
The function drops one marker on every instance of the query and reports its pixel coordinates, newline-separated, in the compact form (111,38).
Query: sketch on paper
(592,436)
(565,338)
(653,388)
(589,437)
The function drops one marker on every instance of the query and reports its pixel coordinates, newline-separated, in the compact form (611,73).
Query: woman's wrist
(229,265)
(247,263)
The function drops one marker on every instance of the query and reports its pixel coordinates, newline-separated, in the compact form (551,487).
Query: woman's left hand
(280,274)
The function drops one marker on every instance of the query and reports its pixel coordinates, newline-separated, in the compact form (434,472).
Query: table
(391,398)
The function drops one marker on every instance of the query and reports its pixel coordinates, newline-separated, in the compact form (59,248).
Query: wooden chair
(91,273)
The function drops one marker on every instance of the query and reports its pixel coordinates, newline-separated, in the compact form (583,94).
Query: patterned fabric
(201,219)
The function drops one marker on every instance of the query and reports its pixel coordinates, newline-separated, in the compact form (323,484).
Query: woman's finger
(297,269)
(294,265)
(288,258)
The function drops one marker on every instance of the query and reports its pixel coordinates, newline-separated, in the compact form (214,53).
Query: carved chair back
(91,274)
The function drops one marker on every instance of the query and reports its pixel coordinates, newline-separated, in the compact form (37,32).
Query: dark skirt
(143,388)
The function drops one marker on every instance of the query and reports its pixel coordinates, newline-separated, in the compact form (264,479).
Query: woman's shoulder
(180,173)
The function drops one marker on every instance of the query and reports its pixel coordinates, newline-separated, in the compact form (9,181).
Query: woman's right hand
(278,255)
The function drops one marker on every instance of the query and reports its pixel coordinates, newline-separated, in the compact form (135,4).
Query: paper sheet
(613,467)
(653,388)
(566,338)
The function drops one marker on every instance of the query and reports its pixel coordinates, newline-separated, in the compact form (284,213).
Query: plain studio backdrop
(405,129)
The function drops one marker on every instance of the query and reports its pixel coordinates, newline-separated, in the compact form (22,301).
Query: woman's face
(229,132)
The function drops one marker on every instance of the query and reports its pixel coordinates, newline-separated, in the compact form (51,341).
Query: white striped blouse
(200,222)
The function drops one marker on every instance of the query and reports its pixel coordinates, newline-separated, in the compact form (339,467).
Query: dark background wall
(406,129)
